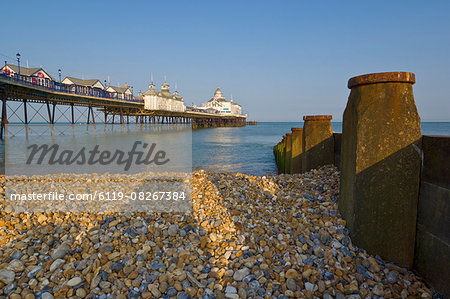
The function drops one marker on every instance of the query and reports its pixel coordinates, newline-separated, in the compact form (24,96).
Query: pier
(58,103)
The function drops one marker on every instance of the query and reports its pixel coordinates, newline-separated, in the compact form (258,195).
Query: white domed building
(221,105)
(163,100)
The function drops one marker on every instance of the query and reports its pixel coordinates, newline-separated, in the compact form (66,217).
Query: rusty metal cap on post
(317,117)
(403,77)
(288,134)
(296,129)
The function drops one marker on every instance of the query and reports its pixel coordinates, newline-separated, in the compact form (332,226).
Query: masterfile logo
(141,153)
(114,173)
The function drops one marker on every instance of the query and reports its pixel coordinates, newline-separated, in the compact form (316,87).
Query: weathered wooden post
(287,167)
(296,150)
(381,161)
(280,155)
(283,154)
(276,154)
(318,142)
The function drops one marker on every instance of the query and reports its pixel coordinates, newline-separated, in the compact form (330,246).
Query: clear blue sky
(279,59)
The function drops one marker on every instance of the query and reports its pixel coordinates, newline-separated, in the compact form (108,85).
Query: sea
(247,150)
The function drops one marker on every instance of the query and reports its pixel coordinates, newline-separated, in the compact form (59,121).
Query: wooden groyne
(395,183)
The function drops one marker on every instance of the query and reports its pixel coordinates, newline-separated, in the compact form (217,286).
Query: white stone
(173,230)
(378,290)
(74,281)
(240,274)
(7,276)
(336,244)
(16,266)
(60,252)
(56,264)
(46,295)
(309,286)
(231,290)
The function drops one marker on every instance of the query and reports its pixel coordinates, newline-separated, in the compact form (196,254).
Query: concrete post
(318,142)
(287,167)
(381,165)
(296,150)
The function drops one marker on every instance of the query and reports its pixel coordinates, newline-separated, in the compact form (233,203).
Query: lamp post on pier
(18,61)
(59,73)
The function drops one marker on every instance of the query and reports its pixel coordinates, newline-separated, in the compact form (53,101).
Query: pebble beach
(273,236)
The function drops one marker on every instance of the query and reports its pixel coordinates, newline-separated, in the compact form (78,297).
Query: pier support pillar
(53,113)
(318,142)
(89,114)
(92,114)
(49,113)
(381,162)
(25,112)
(4,120)
(296,150)
(72,113)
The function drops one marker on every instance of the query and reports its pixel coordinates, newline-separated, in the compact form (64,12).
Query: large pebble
(291,284)
(309,286)
(240,274)
(46,295)
(173,230)
(7,276)
(16,266)
(60,251)
(378,289)
(291,273)
(56,264)
(9,288)
(230,290)
(74,281)
(35,271)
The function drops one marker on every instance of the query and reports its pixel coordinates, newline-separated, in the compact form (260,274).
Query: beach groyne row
(306,148)
(394,192)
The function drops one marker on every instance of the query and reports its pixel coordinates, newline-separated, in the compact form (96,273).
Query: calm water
(249,149)
(241,149)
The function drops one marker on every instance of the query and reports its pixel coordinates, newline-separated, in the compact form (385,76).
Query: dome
(165,86)
(218,93)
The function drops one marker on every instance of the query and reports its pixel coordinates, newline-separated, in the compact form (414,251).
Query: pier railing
(67,88)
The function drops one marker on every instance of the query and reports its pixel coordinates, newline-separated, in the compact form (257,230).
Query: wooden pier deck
(113,110)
